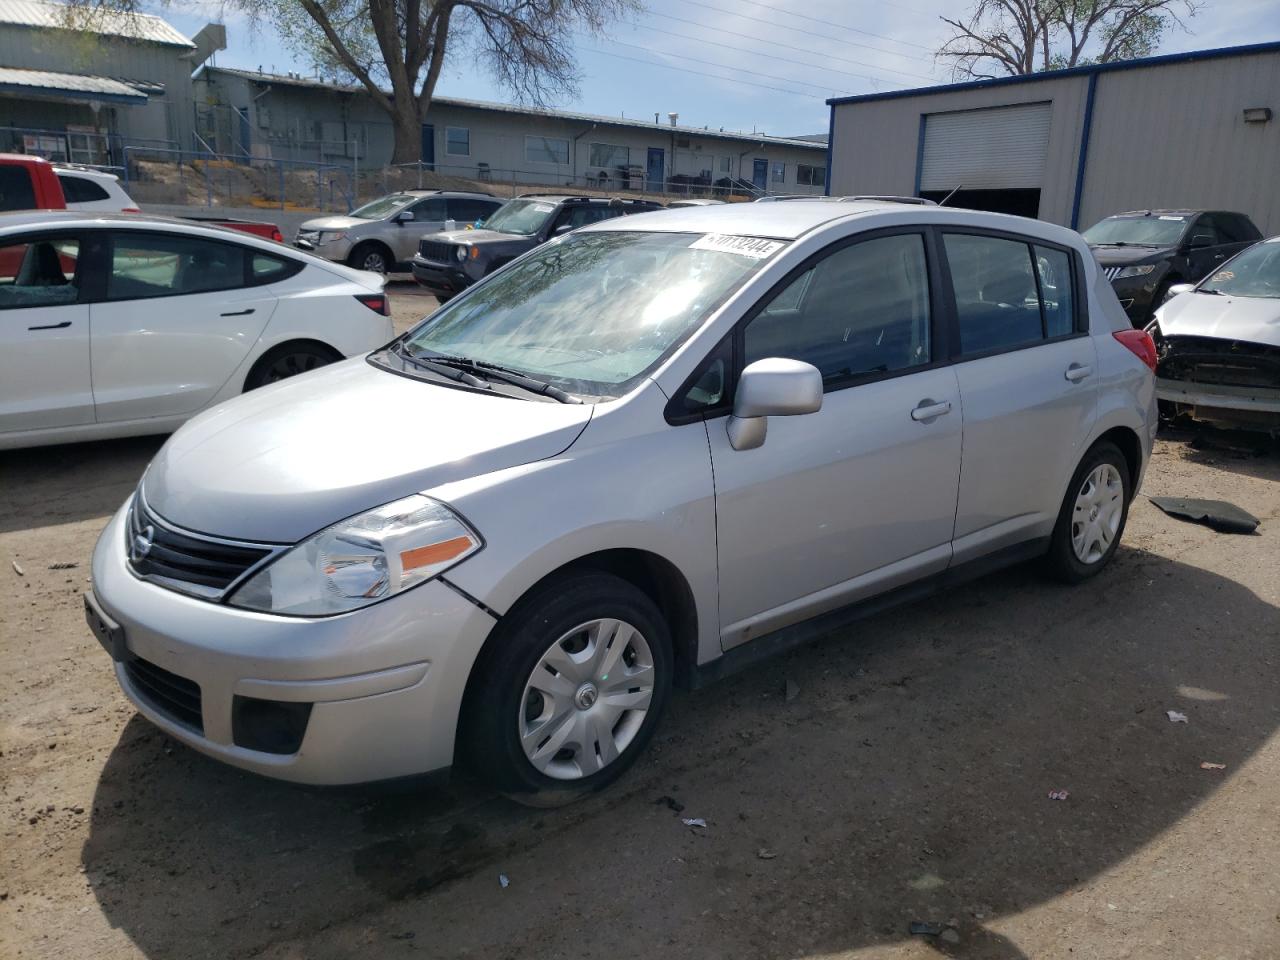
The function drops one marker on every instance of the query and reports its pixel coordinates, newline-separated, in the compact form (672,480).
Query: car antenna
(943,201)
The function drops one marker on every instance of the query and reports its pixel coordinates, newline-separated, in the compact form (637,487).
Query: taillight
(378,303)
(276,235)
(130,210)
(1140,344)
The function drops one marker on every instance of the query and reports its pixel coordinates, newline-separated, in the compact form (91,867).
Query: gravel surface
(898,772)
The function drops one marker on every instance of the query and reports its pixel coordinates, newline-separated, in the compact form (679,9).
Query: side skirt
(798,634)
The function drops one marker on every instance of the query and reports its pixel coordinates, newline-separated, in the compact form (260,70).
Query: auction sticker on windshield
(752,247)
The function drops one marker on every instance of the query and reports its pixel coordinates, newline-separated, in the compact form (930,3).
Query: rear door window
(147,265)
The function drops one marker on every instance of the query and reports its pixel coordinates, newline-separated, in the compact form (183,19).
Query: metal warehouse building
(1193,130)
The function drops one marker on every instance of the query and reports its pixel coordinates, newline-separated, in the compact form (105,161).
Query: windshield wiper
(495,371)
(447,371)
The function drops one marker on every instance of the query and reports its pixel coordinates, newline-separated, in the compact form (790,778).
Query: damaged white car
(1218,344)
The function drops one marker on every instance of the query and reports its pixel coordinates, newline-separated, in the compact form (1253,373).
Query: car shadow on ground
(908,780)
(50,482)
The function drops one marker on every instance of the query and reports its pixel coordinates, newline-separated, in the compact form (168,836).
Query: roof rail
(918,201)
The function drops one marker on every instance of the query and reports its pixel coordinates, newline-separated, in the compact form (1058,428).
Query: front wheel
(569,691)
(1093,514)
(371,257)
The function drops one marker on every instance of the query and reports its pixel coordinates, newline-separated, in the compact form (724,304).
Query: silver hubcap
(375,263)
(1096,518)
(586,699)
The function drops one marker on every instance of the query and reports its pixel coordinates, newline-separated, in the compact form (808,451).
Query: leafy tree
(1016,37)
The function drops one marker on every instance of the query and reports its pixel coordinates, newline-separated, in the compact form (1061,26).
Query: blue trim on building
(77,95)
(831,139)
(1091,69)
(924,118)
(1085,128)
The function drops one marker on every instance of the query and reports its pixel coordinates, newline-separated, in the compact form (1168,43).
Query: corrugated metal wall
(1175,136)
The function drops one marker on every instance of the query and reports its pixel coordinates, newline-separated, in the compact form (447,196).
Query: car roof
(468,194)
(1167,213)
(76,170)
(71,219)
(583,198)
(788,221)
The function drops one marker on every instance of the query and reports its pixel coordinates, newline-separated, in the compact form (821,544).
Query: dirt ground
(906,779)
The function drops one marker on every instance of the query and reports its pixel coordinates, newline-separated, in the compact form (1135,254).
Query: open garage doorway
(1021,203)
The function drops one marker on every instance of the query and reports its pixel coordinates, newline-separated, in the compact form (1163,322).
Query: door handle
(929,409)
(52,326)
(1077,372)
(238,313)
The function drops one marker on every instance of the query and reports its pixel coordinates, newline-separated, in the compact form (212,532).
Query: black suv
(1145,252)
(448,263)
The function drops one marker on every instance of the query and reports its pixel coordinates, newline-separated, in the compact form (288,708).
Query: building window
(609,156)
(810,176)
(726,164)
(546,150)
(457,141)
(779,174)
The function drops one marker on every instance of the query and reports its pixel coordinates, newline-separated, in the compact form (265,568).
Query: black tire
(370,256)
(495,705)
(1062,561)
(288,360)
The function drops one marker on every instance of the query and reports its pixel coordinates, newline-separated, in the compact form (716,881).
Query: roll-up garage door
(998,149)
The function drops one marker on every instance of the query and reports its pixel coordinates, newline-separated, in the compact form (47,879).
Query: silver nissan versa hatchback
(642,455)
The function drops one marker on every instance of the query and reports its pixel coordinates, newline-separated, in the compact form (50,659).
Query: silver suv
(383,235)
(644,454)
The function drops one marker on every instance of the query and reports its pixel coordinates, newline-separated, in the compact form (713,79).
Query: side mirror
(773,387)
(1201,240)
(1176,289)
(404,216)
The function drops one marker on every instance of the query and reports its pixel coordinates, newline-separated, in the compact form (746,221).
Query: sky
(744,65)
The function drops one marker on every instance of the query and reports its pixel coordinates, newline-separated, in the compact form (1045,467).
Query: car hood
(486,237)
(333,223)
(1255,319)
(279,463)
(1123,256)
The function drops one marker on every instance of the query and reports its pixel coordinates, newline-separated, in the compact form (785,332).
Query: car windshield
(522,217)
(1254,273)
(1154,231)
(594,312)
(382,207)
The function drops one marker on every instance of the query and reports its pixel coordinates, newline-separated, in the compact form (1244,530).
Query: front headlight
(329,236)
(1138,271)
(361,560)
(461,254)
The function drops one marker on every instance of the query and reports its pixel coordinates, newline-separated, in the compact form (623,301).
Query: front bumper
(1256,408)
(335,250)
(384,683)
(439,278)
(1137,296)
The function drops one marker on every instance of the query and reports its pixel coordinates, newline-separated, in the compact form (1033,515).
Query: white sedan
(114,326)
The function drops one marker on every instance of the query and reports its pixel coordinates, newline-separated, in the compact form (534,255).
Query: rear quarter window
(81,190)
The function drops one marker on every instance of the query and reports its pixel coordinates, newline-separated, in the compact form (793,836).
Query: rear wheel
(370,256)
(569,692)
(1093,514)
(288,360)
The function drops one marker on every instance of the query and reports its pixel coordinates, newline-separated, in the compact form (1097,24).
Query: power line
(768,56)
(807,33)
(789,46)
(727,66)
(701,73)
(832,23)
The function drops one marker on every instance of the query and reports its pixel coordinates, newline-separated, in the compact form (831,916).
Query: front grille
(1111,272)
(1236,363)
(192,564)
(167,693)
(436,251)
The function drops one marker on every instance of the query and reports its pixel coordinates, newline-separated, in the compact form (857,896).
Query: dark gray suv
(448,263)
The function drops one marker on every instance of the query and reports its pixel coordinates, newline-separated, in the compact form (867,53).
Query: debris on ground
(504,881)
(1058,794)
(1215,514)
(1210,765)
(765,854)
(694,822)
(63,565)
(921,928)
(17,569)
(671,803)
(792,690)
(949,935)
(1176,717)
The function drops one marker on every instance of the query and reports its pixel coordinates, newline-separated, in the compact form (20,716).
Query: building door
(995,156)
(760,174)
(655,172)
(429,145)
